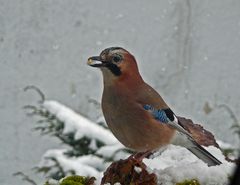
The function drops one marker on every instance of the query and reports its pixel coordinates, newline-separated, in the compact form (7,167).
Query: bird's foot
(139,156)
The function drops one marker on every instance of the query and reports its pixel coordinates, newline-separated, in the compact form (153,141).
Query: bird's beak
(95,61)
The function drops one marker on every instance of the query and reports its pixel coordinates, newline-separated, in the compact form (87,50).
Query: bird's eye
(117,58)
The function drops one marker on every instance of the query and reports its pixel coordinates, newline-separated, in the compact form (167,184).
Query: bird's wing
(166,116)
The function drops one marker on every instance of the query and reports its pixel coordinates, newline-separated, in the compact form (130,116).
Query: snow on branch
(78,124)
(88,165)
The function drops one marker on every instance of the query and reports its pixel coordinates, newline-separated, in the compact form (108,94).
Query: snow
(84,165)
(137,169)
(174,164)
(80,125)
(93,144)
(109,151)
(177,164)
(225,145)
(53,182)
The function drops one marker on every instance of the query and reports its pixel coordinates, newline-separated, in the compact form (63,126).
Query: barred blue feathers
(158,114)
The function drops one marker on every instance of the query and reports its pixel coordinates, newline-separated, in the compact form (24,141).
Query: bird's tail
(204,155)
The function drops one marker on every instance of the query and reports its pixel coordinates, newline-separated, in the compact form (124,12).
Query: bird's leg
(157,152)
(139,156)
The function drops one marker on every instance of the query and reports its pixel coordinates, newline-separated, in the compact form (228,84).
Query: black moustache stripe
(114,69)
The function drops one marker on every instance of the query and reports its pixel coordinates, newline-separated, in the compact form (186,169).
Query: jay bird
(135,113)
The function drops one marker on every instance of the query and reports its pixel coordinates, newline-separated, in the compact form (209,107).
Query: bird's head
(116,63)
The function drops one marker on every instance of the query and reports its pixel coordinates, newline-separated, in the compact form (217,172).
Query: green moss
(74,180)
(227,151)
(77,180)
(189,182)
(47,183)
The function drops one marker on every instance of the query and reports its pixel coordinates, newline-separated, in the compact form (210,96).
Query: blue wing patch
(158,114)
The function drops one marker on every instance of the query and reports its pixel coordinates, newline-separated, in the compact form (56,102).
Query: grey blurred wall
(187,50)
